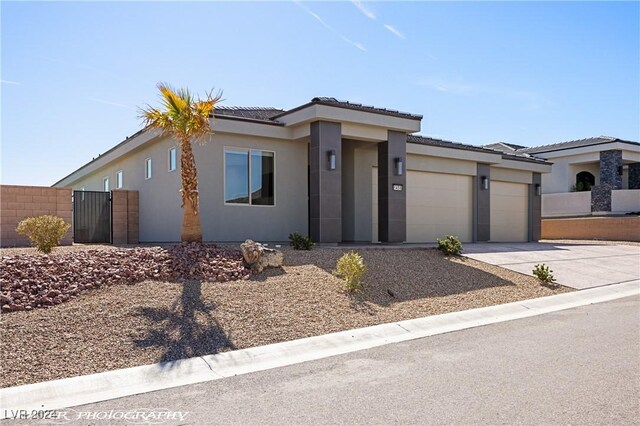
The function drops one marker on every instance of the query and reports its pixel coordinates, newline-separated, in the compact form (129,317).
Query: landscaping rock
(35,280)
(259,257)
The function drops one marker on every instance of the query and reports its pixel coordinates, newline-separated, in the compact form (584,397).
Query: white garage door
(509,211)
(438,204)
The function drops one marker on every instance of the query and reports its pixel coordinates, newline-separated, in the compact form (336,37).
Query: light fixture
(399,166)
(484,182)
(538,189)
(331,156)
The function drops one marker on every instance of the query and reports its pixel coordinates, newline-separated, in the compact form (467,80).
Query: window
(119,175)
(147,168)
(105,184)
(584,181)
(172,159)
(249,177)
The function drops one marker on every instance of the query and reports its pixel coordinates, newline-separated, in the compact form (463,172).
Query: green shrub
(45,232)
(351,268)
(544,274)
(300,242)
(450,245)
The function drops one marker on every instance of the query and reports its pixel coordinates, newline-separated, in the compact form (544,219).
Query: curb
(80,390)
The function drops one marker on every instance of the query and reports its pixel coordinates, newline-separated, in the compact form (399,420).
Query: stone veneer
(601,198)
(634,176)
(611,168)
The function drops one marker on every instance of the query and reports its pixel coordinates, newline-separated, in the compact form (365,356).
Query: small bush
(544,274)
(300,242)
(351,268)
(450,245)
(45,232)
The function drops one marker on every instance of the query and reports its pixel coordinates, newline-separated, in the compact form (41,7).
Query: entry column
(325,182)
(392,188)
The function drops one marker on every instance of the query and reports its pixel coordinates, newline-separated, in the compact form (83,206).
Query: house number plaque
(397,187)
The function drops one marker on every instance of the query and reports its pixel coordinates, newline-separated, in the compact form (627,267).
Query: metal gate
(91,217)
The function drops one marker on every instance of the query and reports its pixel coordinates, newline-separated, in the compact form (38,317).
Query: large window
(147,168)
(249,177)
(119,178)
(172,159)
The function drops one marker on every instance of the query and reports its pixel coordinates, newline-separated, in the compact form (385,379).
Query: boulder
(259,257)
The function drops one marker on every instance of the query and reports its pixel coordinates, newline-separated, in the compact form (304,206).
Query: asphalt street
(579,366)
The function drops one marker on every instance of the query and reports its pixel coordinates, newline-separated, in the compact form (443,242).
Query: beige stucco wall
(160,211)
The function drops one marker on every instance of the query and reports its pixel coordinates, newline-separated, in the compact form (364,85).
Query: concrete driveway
(574,265)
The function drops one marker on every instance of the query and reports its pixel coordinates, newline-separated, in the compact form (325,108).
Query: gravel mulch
(122,326)
(593,242)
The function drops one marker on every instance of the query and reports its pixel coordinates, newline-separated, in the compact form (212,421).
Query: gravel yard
(127,325)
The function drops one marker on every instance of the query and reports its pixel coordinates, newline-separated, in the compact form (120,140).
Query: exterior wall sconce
(538,189)
(331,157)
(484,182)
(399,165)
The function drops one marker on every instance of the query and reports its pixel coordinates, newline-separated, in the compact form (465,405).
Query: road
(579,366)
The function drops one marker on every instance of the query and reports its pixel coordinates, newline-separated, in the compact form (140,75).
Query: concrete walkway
(574,265)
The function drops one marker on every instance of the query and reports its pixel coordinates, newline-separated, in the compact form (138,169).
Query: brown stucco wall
(20,202)
(592,228)
(124,208)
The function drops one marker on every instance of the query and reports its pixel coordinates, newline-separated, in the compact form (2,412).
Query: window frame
(106,184)
(224,176)
(119,179)
(174,149)
(148,168)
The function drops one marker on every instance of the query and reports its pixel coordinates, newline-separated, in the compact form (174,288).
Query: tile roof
(367,108)
(321,100)
(425,140)
(256,113)
(574,144)
(502,145)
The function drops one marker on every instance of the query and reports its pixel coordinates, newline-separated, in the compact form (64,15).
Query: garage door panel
(438,204)
(509,211)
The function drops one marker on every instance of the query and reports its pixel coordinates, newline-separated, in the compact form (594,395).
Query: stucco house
(335,170)
(595,175)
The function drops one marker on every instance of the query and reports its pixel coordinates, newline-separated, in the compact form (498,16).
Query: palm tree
(186,119)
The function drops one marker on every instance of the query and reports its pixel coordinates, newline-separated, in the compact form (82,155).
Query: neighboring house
(610,166)
(338,171)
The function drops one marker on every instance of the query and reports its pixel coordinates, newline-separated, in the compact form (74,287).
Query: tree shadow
(186,329)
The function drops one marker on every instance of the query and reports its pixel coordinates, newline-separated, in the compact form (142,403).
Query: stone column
(634,176)
(601,198)
(392,188)
(325,185)
(482,201)
(535,208)
(611,168)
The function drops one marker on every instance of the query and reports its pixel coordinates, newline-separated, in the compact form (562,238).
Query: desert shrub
(544,274)
(350,267)
(45,232)
(300,242)
(450,245)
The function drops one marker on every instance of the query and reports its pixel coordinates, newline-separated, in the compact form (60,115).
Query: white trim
(169,159)
(120,174)
(224,176)
(148,170)
(106,184)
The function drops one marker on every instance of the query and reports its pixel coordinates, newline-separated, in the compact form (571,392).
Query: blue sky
(526,72)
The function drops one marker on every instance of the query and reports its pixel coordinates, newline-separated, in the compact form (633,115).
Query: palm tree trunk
(191,229)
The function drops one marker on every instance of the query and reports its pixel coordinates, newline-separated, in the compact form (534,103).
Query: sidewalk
(119,383)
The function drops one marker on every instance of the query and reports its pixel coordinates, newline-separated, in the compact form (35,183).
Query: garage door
(509,211)
(438,204)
